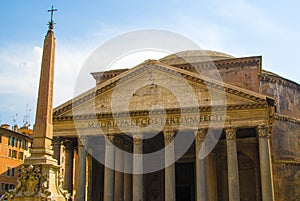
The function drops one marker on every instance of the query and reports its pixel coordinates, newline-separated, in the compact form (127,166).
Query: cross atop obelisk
(51,22)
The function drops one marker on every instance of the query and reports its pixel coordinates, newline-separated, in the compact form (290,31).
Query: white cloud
(7,108)
(20,71)
(134,58)
(207,34)
(69,60)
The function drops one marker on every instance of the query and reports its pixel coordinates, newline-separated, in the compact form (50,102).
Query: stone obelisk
(41,151)
(39,179)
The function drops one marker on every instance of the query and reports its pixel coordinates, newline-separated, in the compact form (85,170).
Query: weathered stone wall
(286,181)
(285,92)
(285,149)
(285,139)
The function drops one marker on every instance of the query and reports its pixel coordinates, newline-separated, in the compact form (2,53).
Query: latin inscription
(158,121)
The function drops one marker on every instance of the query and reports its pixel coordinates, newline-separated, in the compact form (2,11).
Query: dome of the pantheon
(194,56)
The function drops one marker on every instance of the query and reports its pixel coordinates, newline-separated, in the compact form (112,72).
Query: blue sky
(238,27)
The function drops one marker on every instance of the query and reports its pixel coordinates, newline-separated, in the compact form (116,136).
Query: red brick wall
(240,72)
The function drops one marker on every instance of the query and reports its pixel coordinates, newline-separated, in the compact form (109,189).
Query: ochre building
(247,118)
(14,148)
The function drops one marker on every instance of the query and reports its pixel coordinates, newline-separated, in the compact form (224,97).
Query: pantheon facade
(215,127)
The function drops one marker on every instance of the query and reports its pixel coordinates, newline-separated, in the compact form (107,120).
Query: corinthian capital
(82,141)
(169,136)
(137,139)
(118,142)
(230,133)
(200,134)
(56,141)
(262,131)
(110,138)
(69,144)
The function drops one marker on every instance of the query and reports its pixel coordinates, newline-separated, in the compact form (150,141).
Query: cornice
(108,74)
(224,63)
(287,162)
(11,132)
(169,111)
(276,79)
(286,118)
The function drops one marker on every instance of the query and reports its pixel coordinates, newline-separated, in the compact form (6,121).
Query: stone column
(90,176)
(75,169)
(127,176)
(265,163)
(137,183)
(211,177)
(108,172)
(232,165)
(119,179)
(56,144)
(81,172)
(69,157)
(201,186)
(170,191)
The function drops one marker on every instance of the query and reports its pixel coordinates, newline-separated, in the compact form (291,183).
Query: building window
(26,145)
(0,137)
(15,142)
(13,172)
(9,153)
(3,186)
(14,154)
(21,156)
(6,187)
(11,186)
(21,145)
(8,171)
(10,141)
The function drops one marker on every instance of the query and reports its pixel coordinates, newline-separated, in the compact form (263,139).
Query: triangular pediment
(152,85)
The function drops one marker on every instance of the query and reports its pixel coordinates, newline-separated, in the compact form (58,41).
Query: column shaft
(137,180)
(81,173)
(119,177)
(90,176)
(232,165)
(170,191)
(108,172)
(201,185)
(56,143)
(69,157)
(211,177)
(265,163)
(127,176)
